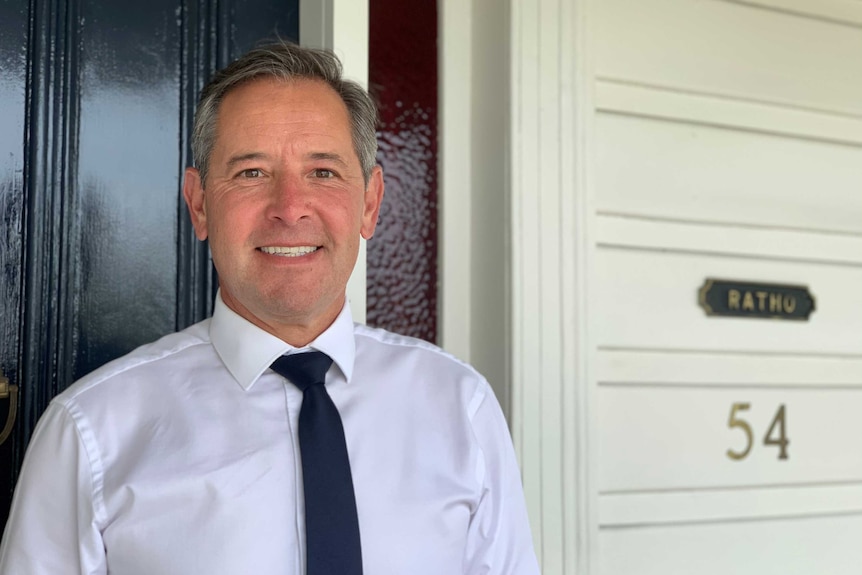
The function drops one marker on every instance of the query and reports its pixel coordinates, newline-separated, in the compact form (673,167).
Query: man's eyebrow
(331,156)
(239,158)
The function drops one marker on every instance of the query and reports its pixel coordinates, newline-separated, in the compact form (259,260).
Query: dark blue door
(96,253)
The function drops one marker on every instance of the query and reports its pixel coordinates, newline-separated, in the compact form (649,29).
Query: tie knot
(303,369)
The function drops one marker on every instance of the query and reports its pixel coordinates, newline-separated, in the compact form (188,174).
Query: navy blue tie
(331,523)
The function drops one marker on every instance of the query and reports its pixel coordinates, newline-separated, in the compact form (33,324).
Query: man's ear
(373,199)
(193,192)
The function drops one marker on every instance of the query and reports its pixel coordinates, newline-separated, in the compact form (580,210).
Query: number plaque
(755,300)
(776,435)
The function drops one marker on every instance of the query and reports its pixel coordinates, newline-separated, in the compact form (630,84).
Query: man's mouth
(288,252)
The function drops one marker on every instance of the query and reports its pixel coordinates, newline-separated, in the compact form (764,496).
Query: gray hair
(286,61)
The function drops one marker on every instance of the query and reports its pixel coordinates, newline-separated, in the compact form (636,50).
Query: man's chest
(227,497)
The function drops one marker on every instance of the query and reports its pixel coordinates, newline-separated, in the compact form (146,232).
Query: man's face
(284,205)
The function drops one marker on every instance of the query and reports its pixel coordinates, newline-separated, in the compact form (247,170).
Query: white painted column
(455,33)
(342,26)
(514,103)
(474,187)
(550,229)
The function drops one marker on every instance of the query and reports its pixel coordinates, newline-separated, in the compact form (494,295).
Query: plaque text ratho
(755,300)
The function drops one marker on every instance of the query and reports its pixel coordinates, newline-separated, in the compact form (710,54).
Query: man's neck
(298,332)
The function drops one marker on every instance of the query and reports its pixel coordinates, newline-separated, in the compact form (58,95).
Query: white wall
(648,146)
(727,144)
(655,144)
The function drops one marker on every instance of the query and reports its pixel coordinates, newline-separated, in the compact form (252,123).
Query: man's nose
(290,199)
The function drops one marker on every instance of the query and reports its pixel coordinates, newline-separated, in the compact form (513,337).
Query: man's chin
(292,308)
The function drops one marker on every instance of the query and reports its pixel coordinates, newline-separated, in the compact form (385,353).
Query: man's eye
(251,173)
(324,173)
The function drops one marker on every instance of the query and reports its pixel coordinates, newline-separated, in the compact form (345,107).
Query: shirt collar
(247,351)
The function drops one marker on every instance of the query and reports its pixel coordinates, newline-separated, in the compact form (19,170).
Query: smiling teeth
(291,252)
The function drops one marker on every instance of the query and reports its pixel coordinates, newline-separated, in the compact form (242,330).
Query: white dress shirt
(181,458)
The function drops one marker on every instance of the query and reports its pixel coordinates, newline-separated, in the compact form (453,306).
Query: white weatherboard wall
(656,144)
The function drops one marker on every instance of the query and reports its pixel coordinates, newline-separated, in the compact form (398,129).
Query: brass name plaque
(755,300)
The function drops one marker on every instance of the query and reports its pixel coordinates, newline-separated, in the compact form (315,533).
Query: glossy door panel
(402,256)
(13,71)
(96,250)
(128,177)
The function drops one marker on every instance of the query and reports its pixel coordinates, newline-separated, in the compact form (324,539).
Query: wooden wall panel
(661,169)
(734,50)
(623,97)
(729,504)
(836,11)
(733,240)
(648,300)
(790,547)
(726,142)
(660,438)
(695,139)
(624,366)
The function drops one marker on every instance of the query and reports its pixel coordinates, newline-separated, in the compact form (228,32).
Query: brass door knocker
(10,392)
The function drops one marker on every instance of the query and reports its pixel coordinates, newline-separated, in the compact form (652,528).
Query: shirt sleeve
(52,527)
(498,540)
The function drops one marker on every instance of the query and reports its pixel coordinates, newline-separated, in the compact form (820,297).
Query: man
(201,454)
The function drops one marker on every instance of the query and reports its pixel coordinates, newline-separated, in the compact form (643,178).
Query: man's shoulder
(395,346)
(141,360)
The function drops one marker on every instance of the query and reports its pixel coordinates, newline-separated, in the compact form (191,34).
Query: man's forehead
(269,101)
(272,89)
(270,104)
(316,122)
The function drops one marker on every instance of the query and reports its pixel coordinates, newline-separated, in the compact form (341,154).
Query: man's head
(287,62)
(284,186)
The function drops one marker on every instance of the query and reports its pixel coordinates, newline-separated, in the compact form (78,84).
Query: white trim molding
(515,108)
(455,33)
(551,113)
(474,187)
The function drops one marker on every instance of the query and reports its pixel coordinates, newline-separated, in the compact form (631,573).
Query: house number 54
(775,435)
